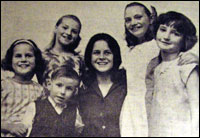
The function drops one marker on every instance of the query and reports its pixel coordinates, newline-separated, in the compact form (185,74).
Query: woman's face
(136,21)
(67,32)
(102,57)
(168,39)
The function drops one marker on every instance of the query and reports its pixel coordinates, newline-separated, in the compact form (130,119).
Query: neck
(169,56)
(141,40)
(23,79)
(57,48)
(103,78)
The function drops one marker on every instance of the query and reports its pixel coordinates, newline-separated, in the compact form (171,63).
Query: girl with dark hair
(24,59)
(172,98)
(101,101)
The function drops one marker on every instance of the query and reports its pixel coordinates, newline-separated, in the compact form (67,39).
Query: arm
(6,125)
(29,117)
(192,86)
(15,129)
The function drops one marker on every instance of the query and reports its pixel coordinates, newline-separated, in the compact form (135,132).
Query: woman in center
(105,88)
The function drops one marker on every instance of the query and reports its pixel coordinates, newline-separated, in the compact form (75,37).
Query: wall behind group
(36,19)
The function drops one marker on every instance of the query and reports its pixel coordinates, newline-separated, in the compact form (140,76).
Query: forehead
(133,10)
(67,81)
(23,47)
(101,45)
(70,22)
(170,25)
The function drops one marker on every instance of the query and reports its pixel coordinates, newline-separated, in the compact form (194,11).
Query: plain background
(36,20)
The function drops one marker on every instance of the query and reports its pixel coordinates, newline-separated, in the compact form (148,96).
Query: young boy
(57,115)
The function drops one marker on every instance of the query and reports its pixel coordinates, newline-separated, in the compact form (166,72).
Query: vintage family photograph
(99,68)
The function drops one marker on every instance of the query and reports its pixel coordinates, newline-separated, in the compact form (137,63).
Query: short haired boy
(57,115)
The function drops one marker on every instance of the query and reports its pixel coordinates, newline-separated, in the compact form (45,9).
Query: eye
(138,17)
(18,55)
(59,84)
(70,88)
(96,52)
(29,55)
(162,29)
(65,27)
(127,20)
(176,33)
(75,31)
(107,52)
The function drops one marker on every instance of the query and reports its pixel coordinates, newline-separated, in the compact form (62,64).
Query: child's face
(23,61)
(136,21)
(62,89)
(168,39)
(67,32)
(102,57)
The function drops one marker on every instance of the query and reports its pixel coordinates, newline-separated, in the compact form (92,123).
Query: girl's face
(136,21)
(102,56)
(67,32)
(62,89)
(168,39)
(23,61)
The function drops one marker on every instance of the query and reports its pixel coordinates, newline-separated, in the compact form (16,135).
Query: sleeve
(5,99)
(29,116)
(185,71)
(149,80)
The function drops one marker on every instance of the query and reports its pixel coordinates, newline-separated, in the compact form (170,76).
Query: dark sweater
(47,123)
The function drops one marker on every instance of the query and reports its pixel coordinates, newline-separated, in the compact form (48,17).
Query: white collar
(58,109)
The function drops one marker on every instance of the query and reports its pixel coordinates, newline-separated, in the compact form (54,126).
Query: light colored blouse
(170,112)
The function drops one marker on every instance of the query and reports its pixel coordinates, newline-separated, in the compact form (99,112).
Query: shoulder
(39,91)
(153,63)
(186,70)
(7,83)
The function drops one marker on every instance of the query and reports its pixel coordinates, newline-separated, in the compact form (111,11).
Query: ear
(47,83)
(55,30)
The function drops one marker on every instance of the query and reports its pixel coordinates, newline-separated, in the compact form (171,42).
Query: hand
(188,58)
(19,130)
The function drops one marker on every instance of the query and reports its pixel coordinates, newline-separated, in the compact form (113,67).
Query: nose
(63,91)
(68,31)
(23,59)
(166,36)
(101,56)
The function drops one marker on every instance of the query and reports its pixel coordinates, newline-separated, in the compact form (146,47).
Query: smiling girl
(101,101)
(172,98)
(24,59)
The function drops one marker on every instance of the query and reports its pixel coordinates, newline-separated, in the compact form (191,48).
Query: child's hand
(188,58)
(18,129)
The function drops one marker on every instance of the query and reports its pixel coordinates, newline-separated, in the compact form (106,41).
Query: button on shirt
(101,115)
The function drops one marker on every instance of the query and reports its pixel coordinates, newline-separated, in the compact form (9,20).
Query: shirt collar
(58,109)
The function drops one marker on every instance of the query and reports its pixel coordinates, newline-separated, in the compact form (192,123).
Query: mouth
(165,43)
(102,63)
(23,65)
(60,99)
(135,28)
(67,37)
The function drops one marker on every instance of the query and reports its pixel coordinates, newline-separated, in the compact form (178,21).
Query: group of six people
(152,91)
